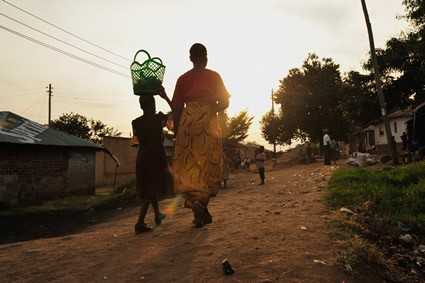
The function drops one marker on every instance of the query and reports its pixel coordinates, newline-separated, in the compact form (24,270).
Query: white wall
(397,126)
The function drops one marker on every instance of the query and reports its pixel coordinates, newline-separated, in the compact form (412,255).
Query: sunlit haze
(252,44)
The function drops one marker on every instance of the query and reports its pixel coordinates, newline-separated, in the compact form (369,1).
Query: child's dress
(152,170)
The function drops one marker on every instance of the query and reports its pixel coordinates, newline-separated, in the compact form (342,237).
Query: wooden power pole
(274,126)
(379,87)
(50,104)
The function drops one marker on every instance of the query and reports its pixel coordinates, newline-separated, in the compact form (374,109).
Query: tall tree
(360,104)
(74,124)
(310,101)
(272,129)
(402,61)
(82,127)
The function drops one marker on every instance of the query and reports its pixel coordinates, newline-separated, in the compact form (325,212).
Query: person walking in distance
(309,153)
(226,168)
(259,159)
(326,147)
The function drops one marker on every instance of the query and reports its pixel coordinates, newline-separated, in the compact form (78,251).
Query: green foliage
(270,127)
(236,128)
(98,130)
(310,99)
(360,104)
(80,126)
(74,124)
(397,194)
(401,62)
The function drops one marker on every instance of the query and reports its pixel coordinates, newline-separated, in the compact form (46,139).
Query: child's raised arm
(163,95)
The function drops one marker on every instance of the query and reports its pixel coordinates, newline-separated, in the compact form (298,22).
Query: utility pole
(274,159)
(50,103)
(274,126)
(379,87)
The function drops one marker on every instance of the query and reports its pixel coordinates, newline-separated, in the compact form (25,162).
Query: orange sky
(252,44)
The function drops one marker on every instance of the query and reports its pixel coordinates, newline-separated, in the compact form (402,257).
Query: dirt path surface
(271,233)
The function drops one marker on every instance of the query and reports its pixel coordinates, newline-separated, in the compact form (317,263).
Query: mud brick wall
(32,173)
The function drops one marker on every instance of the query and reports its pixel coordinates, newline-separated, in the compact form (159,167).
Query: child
(259,159)
(152,171)
(225,168)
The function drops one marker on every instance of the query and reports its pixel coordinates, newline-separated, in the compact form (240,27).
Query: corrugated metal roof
(15,129)
(401,113)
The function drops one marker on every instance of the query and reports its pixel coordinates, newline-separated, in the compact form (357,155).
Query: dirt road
(271,233)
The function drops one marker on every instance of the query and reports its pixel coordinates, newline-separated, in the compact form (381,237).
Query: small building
(39,163)
(397,121)
(374,135)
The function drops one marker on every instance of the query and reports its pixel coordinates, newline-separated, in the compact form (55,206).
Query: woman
(199,94)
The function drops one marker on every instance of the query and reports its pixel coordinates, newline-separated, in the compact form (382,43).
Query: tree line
(317,96)
(235,129)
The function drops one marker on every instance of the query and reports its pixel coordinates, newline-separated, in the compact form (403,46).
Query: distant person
(309,153)
(259,159)
(274,159)
(152,172)
(334,148)
(225,169)
(238,160)
(395,146)
(247,163)
(301,152)
(326,147)
(198,96)
(404,140)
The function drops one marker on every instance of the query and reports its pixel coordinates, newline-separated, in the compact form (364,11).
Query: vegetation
(310,99)
(270,127)
(316,96)
(401,62)
(82,127)
(397,195)
(235,129)
(384,206)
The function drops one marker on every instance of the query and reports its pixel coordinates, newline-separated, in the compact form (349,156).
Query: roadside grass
(354,250)
(385,204)
(397,195)
(74,203)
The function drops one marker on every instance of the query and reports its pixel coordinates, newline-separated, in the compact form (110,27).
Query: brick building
(38,163)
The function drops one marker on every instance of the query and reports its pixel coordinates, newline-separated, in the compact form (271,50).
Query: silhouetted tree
(88,129)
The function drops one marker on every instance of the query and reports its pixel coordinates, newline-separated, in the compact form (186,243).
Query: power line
(64,52)
(76,47)
(80,38)
(103,101)
(14,93)
(22,112)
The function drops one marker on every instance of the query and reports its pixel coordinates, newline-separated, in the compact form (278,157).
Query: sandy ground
(271,233)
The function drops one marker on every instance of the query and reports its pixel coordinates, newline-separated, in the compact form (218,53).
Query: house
(374,135)
(38,163)
(397,121)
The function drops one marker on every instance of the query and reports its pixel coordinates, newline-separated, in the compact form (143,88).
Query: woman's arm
(177,112)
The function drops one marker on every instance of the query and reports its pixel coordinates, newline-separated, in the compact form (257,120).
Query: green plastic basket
(147,77)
